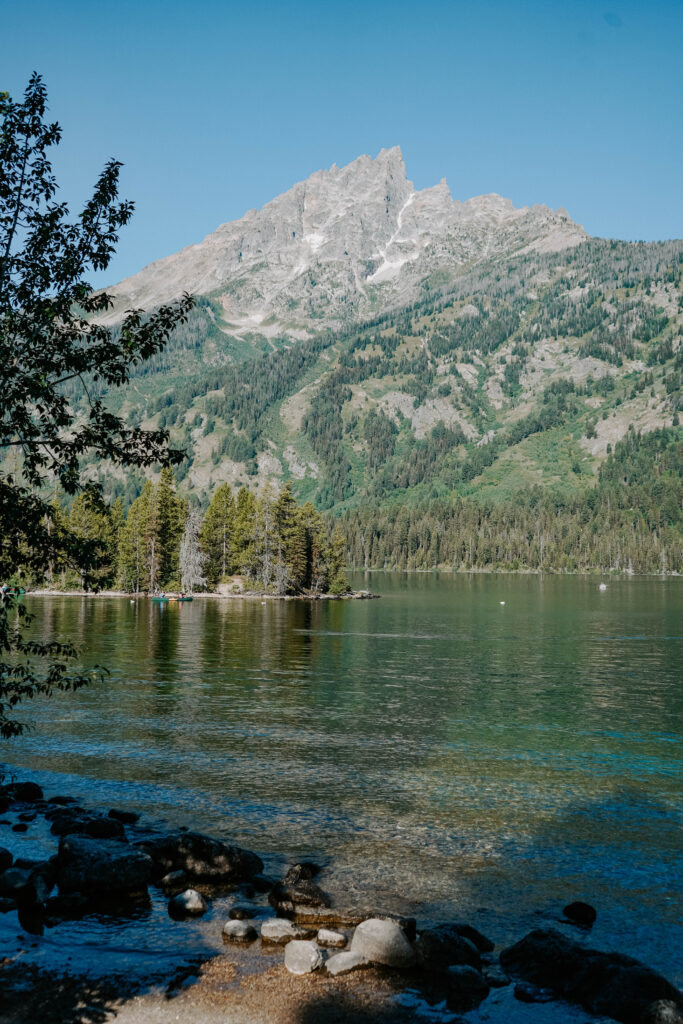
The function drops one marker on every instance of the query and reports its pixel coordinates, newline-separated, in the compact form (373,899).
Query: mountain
(341,246)
(374,343)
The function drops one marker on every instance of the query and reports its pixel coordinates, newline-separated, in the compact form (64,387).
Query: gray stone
(239,931)
(303,957)
(104,828)
(496,976)
(202,857)
(187,904)
(382,942)
(102,866)
(174,880)
(344,963)
(443,946)
(328,938)
(278,930)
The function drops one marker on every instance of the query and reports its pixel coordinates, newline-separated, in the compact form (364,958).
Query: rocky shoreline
(110,861)
(263,595)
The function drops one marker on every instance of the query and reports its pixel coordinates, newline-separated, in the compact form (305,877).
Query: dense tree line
(164,544)
(632,520)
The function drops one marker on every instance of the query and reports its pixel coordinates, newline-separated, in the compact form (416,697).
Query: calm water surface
(441,752)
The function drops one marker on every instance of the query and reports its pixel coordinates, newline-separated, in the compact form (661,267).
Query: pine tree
(243,529)
(170,524)
(216,537)
(338,581)
(90,521)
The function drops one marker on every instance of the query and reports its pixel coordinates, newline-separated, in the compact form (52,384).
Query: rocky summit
(342,244)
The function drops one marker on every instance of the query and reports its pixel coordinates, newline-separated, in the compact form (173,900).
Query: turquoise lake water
(440,752)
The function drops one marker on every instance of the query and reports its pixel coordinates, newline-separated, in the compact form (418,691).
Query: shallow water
(441,753)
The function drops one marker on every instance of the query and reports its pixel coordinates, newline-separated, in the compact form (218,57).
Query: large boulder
(444,946)
(382,942)
(603,983)
(201,857)
(101,866)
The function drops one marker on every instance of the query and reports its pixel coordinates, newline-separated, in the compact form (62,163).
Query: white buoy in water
(603,586)
(502,602)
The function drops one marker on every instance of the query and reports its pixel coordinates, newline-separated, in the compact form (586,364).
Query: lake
(441,752)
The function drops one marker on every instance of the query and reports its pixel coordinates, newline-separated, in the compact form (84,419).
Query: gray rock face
(328,938)
(302,957)
(344,963)
(239,931)
(201,857)
(187,904)
(102,866)
(382,942)
(338,242)
(278,931)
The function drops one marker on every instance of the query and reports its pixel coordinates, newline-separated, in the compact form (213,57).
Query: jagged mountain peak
(339,244)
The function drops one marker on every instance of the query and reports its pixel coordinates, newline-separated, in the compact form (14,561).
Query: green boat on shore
(172,598)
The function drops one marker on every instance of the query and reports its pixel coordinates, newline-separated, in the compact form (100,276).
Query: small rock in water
(330,939)
(580,913)
(239,931)
(104,828)
(20,827)
(306,871)
(277,931)
(62,800)
(528,993)
(187,904)
(174,880)
(125,817)
(343,963)
(239,914)
(302,957)
(496,976)
(382,942)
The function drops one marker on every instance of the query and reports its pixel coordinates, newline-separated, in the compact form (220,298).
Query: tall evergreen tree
(216,537)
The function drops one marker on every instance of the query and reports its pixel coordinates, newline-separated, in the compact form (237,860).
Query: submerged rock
(101,866)
(5,859)
(285,896)
(104,828)
(528,993)
(302,957)
(382,942)
(603,983)
(125,817)
(201,857)
(187,904)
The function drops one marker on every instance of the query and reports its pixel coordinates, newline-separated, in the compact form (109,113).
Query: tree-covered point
(163,544)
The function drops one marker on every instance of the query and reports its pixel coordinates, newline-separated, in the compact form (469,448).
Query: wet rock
(20,827)
(528,993)
(5,859)
(68,822)
(580,913)
(240,914)
(278,931)
(174,880)
(304,872)
(608,983)
(24,792)
(24,885)
(125,817)
(466,988)
(406,924)
(329,939)
(323,917)
(382,942)
(444,946)
(203,858)
(239,931)
(7,904)
(69,906)
(496,976)
(28,816)
(104,828)
(344,963)
(62,800)
(189,903)
(90,865)
(285,896)
(302,957)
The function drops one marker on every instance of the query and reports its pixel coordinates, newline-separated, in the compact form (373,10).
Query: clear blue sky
(216,107)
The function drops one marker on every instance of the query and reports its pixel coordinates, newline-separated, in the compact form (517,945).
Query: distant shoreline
(353,595)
